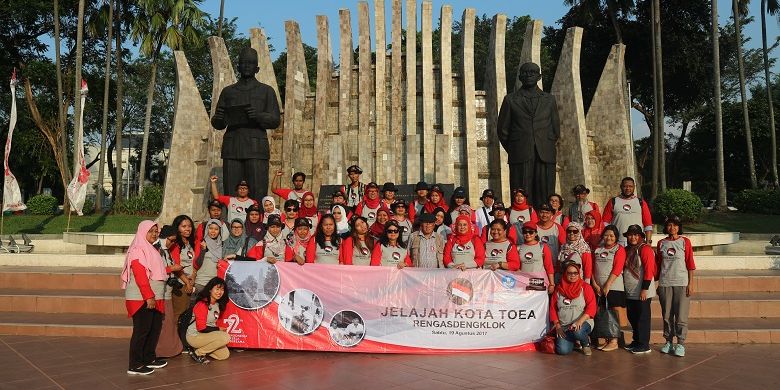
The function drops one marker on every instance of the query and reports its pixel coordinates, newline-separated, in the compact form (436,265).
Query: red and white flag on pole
(12,195)
(77,189)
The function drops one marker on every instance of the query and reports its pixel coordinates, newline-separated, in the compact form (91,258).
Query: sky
(271,15)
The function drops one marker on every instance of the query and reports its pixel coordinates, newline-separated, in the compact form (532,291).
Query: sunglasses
(572,231)
(529,231)
(291,209)
(393,231)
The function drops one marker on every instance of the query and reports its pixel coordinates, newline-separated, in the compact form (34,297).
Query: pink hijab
(145,253)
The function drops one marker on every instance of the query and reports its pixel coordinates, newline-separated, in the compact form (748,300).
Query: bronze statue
(247,109)
(528,129)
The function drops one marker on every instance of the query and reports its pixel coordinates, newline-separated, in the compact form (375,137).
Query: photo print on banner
(252,285)
(301,312)
(347,328)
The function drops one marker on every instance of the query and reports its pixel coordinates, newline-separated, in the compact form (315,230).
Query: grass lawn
(50,224)
(737,222)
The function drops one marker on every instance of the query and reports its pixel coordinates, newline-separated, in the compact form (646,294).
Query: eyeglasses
(572,273)
(393,231)
(529,231)
(572,231)
(291,209)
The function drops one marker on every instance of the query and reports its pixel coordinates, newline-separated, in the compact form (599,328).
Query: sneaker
(668,347)
(199,359)
(143,370)
(641,350)
(631,346)
(586,350)
(157,363)
(679,350)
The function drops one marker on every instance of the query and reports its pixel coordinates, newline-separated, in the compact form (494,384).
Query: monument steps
(741,330)
(63,301)
(66,324)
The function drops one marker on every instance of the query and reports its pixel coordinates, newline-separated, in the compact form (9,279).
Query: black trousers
(254,171)
(638,313)
(147,324)
(535,176)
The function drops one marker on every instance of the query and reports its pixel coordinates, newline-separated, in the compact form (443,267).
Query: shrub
(684,204)
(149,203)
(758,201)
(42,205)
(89,206)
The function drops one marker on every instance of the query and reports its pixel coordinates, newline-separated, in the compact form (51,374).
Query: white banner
(12,195)
(77,189)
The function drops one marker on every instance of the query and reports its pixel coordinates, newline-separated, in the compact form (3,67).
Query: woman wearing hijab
(591,229)
(521,211)
(210,254)
(392,250)
(143,279)
(254,227)
(608,261)
(324,248)
(442,227)
(269,208)
(235,244)
(435,200)
(299,242)
(309,209)
(464,249)
(382,216)
(500,253)
(273,247)
(370,204)
(577,250)
(357,247)
(572,308)
(342,220)
(536,256)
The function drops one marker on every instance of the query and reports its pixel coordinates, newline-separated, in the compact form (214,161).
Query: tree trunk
(654,127)
(718,113)
(743,95)
(62,142)
(769,95)
(147,125)
(104,127)
(660,120)
(77,139)
(613,18)
(120,110)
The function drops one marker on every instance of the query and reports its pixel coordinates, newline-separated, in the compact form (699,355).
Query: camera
(174,282)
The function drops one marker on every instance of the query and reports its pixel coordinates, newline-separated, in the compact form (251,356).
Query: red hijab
(593,235)
(371,203)
(519,206)
(464,238)
(429,206)
(567,289)
(307,212)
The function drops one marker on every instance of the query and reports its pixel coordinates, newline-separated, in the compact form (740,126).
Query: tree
(121,17)
(158,23)
(106,13)
(77,85)
(771,6)
(592,8)
(659,144)
(737,15)
(718,112)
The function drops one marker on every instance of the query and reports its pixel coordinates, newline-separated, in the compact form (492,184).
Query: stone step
(729,305)
(60,278)
(62,260)
(740,262)
(721,331)
(63,301)
(73,325)
(737,281)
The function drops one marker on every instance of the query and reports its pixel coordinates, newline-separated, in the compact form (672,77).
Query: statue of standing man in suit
(528,129)
(247,109)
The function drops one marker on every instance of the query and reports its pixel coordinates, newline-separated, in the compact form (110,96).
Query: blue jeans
(564,346)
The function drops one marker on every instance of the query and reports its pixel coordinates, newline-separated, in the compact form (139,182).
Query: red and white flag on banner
(77,189)
(12,195)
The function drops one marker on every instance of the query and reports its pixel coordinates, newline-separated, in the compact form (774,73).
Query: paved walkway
(29,363)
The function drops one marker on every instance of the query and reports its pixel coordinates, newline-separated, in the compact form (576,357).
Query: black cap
(488,193)
(421,185)
(398,203)
(302,221)
(498,205)
(520,190)
(459,192)
(252,208)
(242,183)
(372,185)
(634,229)
(580,189)
(274,220)
(214,203)
(355,169)
(338,193)
(426,218)
(389,186)
(167,231)
(435,187)
(546,207)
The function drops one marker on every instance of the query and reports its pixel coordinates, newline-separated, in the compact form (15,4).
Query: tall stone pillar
(469,106)
(495,88)
(322,167)
(296,87)
(445,167)
(429,162)
(365,86)
(412,155)
(396,104)
(348,135)
(573,153)
(382,144)
(532,46)
(223,76)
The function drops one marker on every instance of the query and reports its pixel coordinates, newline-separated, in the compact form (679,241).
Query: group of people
(588,257)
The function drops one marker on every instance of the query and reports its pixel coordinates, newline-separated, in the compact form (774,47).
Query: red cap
(530,225)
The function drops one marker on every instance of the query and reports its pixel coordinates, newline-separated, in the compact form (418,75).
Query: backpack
(185,320)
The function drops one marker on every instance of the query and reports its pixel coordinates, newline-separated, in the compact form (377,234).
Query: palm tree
(60,96)
(158,23)
(106,13)
(771,6)
(718,113)
(738,8)
(659,140)
(77,86)
(591,8)
(116,193)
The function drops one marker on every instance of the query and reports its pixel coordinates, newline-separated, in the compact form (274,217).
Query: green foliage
(150,203)
(51,224)
(42,205)
(758,201)
(89,206)
(681,203)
